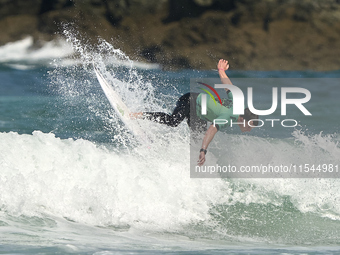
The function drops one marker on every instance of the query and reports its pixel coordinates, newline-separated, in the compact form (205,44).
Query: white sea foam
(24,54)
(86,183)
(148,189)
(24,51)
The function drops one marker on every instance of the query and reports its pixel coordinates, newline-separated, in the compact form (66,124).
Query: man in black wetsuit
(185,105)
(191,102)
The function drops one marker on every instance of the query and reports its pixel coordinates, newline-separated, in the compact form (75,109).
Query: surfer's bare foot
(136,115)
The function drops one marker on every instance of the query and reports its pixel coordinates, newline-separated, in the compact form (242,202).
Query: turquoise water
(73,180)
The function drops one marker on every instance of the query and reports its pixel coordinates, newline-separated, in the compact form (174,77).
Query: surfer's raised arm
(223,66)
(209,135)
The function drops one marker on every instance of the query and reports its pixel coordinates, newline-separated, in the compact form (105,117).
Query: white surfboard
(121,109)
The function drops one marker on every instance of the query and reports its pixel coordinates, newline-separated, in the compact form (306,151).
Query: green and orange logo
(209,93)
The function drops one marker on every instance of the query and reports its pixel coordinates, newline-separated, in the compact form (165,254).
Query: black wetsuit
(185,108)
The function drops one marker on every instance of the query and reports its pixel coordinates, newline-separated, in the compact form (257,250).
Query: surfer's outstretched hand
(201,159)
(223,64)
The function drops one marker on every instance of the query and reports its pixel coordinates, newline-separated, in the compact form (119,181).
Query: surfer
(189,106)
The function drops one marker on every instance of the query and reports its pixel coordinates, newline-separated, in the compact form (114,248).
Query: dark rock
(150,53)
(50,5)
(179,9)
(261,34)
(19,7)
(14,28)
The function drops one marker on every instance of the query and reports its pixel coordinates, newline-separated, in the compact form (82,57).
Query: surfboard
(121,109)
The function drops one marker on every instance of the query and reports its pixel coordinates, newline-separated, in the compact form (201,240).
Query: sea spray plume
(77,89)
(104,55)
(137,91)
(319,145)
(78,81)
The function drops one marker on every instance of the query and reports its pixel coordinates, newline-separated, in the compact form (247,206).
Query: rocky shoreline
(252,35)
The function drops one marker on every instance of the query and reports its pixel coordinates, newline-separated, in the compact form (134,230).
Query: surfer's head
(248,115)
(249,119)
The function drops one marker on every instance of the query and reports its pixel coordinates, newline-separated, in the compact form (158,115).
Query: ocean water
(73,180)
